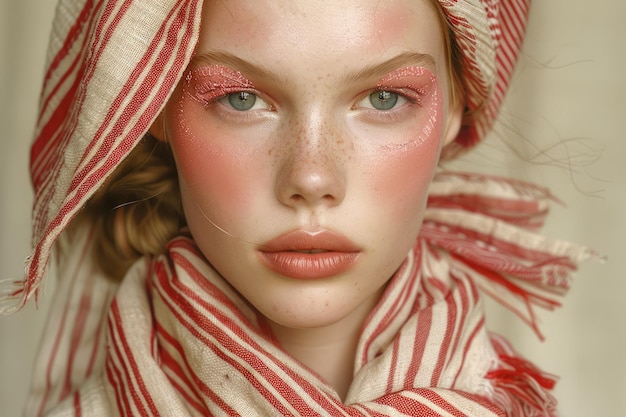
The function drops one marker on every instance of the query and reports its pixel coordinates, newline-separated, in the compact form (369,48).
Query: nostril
(296,198)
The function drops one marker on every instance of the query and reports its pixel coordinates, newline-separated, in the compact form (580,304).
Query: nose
(312,172)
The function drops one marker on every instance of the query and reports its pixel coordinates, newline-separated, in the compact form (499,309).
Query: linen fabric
(424,350)
(175,339)
(103,88)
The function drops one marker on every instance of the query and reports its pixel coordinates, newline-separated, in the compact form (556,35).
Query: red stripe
(86,18)
(73,277)
(42,157)
(130,371)
(479,327)
(87,185)
(76,341)
(201,320)
(445,343)
(172,364)
(448,344)
(409,406)
(401,299)
(73,33)
(82,80)
(63,52)
(422,333)
(393,366)
(96,342)
(115,379)
(175,372)
(443,403)
(56,127)
(77,408)
(486,404)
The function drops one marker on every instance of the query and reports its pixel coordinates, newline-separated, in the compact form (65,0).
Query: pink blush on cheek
(215,175)
(402,171)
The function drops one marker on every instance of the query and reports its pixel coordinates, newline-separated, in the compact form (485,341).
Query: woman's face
(305,135)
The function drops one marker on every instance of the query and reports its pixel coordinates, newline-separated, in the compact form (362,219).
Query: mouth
(304,255)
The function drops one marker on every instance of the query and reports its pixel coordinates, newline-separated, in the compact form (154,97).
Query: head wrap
(103,88)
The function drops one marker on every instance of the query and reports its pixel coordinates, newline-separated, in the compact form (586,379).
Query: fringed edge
(487,225)
(10,296)
(13,294)
(519,387)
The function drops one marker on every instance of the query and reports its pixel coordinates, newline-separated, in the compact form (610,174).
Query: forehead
(321,34)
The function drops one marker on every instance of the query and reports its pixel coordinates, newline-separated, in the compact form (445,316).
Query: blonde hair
(138,210)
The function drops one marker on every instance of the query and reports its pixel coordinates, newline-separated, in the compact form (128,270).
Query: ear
(453,122)
(157,129)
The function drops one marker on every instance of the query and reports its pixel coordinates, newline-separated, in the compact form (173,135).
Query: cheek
(404,177)
(400,174)
(215,175)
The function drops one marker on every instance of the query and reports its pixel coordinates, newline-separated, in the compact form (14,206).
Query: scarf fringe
(488,226)
(520,388)
(11,291)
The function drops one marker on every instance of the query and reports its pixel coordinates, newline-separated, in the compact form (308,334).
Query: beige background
(570,92)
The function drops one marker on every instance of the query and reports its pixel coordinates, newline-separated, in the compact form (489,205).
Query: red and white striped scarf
(112,65)
(177,340)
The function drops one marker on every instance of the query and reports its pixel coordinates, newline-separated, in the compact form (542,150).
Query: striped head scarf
(102,90)
(137,350)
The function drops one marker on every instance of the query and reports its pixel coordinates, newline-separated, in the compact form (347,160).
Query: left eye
(382,100)
(243,101)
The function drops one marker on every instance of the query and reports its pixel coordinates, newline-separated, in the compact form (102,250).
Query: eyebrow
(228,59)
(368,72)
(401,60)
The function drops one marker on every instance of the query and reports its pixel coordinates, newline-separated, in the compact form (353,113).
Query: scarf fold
(180,341)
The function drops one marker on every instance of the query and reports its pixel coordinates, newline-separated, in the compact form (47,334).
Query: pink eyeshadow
(417,78)
(212,81)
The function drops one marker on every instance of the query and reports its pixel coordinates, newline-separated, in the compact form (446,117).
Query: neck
(328,350)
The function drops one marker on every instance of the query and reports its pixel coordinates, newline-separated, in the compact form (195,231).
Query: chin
(322,306)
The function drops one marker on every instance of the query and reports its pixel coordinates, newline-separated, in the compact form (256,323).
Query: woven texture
(177,340)
(144,350)
(103,88)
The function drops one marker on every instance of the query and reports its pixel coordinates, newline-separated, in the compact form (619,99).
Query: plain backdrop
(569,96)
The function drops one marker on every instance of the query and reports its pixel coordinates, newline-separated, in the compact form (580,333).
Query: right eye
(243,101)
(383,100)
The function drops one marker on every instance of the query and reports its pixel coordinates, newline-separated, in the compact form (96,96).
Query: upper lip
(303,240)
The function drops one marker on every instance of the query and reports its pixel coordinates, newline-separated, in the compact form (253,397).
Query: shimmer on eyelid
(216,79)
(413,71)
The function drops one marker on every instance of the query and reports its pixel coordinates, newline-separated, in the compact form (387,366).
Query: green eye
(383,100)
(242,100)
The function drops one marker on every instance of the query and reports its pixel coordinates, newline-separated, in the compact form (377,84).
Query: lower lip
(309,265)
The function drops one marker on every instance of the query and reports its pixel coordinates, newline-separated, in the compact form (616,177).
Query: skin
(312,154)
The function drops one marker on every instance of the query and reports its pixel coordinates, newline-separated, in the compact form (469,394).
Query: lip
(300,254)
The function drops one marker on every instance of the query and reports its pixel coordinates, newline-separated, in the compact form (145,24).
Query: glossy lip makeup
(304,255)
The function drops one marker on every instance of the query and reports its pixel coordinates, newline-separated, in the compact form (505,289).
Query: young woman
(248,218)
